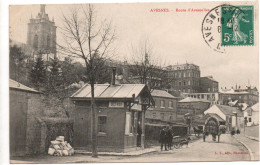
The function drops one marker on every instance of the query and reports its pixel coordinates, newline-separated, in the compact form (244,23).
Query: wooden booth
(25,106)
(120,116)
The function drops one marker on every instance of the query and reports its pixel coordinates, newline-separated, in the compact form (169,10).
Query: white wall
(215,109)
(255,117)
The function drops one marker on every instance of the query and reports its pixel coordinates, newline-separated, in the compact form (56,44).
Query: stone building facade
(208,85)
(41,34)
(184,78)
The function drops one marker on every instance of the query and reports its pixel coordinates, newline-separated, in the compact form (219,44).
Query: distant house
(248,95)
(120,114)
(165,107)
(232,116)
(252,115)
(25,107)
(211,97)
(194,106)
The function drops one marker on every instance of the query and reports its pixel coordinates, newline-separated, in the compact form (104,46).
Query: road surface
(229,149)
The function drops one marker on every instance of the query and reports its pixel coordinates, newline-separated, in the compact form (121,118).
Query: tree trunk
(93,123)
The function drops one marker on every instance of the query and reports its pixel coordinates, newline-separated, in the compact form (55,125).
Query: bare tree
(86,39)
(144,67)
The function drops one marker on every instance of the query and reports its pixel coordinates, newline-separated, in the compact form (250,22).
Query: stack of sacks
(59,147)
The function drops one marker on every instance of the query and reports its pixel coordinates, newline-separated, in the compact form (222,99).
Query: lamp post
(188,119)
(235,113)
(245,124)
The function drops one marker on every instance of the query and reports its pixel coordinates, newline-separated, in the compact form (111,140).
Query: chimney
(113,80)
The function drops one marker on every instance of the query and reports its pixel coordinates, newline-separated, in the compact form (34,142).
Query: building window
(184,74)
(208,89)
(189,82)
(176,83)
(116,104)
(48,42)
(249,119)
(189,74)
(35,42)
(162,104)
(180,83)
(102,120)
(170,104)
(154,115)
(180,74)
(184,83)
(157,103)
(162,116)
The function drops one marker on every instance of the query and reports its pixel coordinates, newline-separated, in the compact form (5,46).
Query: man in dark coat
(169,137)
(163,138)
(139,134)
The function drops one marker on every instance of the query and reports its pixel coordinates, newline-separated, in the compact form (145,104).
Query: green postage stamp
(237,25)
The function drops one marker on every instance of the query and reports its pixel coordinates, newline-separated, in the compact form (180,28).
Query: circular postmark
(213,23)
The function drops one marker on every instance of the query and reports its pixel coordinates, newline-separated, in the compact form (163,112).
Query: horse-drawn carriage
(198,130)
(178,141)
(213,127)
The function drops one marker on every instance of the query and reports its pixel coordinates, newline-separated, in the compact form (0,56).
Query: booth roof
(110,91)
(18,86)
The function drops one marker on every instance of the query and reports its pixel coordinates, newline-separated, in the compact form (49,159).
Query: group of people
(166,136)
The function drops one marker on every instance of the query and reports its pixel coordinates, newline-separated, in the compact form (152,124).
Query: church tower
(41,34)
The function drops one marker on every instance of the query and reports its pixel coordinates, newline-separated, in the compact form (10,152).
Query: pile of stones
(59,147)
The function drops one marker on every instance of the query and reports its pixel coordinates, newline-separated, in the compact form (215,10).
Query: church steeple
(43,9)
(41,35)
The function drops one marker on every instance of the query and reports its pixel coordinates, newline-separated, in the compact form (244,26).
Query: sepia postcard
(146,82)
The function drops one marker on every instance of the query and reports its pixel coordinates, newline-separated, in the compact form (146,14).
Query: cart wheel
(177,145)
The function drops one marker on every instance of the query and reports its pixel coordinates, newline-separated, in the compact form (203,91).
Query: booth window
(102,120)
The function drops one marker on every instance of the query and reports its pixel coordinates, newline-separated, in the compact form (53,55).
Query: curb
(252,138)
(116,154)
(246,146)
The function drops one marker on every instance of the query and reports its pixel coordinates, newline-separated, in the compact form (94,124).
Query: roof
(110,91)
(161,93)
(16,85)
(227,110)
(215,116)
(190,99)
(231,91)
(255,107)
(210,78)
(244,105)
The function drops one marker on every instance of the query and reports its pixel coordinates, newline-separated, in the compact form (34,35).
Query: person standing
(169,137)
(139,134)
(163,138)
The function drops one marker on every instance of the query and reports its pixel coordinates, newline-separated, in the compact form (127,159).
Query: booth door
(18,125)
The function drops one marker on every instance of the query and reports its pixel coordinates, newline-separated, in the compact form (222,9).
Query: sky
(175,37)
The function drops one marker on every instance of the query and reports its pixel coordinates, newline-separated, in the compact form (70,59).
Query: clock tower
(41,34)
